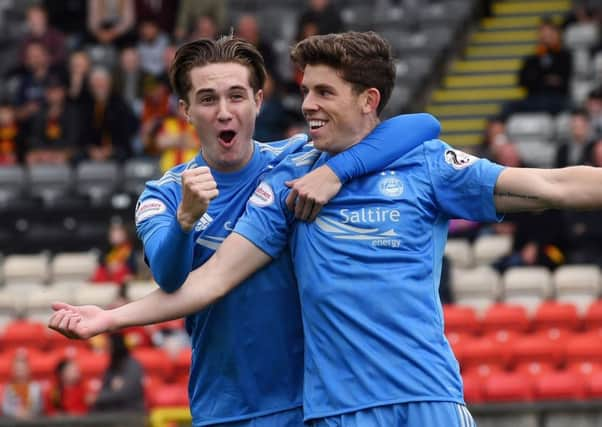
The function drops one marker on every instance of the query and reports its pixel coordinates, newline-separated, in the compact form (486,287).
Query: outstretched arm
(235,260)
(389,141)
(524,189)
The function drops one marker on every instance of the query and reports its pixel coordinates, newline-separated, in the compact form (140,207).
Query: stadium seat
(585,369)
(528,286)
(594,385)
(592,320)
(478,287)
(560,385)
(577,284)
(556,315)
(182,364)
(505,317)
(536,348)
(585,347)
(97,180)
(26,268)
(459,252)
(489,248)
(399,100)
(582,35)
(137,171)
(101,295)
(155,362)
(12,304)
(92,364)
(12,184)
(73,266)
(140,288)
(508,387)
(38,304)
(169,395)
(473,388)
(481,356)
(23,333)
(530,127)
(50,182)
(460,319)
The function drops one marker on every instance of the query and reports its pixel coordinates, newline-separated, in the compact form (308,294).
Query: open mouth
(226,136)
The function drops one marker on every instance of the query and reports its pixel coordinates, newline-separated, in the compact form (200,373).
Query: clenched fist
(198,189)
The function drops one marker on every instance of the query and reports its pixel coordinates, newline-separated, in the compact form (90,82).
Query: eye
(237,97)
(206,100)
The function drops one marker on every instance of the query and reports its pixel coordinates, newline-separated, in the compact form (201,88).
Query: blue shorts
(290,418)
(414,414)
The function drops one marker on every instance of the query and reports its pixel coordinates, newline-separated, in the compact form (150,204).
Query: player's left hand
(311,192)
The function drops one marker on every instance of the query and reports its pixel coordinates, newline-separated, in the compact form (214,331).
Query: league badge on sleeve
(263,195)
(149,208)
(459,159)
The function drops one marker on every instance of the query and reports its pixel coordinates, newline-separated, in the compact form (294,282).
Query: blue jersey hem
(314,416)
(244,417)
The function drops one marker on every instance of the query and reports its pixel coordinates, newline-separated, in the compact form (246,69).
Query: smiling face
(222,107)
(338,116)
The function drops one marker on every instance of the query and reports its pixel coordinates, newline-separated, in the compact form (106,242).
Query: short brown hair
(363,59)
(207,51)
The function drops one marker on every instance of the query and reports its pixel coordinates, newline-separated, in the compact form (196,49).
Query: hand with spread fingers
(79,322)
(311,192)
(198,189)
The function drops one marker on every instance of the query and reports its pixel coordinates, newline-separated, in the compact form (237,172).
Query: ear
(183,107)
(258,100)
(370,100)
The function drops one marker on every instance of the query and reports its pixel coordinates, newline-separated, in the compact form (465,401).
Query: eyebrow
(213,91)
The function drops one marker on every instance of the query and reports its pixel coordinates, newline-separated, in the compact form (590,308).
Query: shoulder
(282,148)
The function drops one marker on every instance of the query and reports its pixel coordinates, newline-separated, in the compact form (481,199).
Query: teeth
(315,124)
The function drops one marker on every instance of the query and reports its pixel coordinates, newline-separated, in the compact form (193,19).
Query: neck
(365,129)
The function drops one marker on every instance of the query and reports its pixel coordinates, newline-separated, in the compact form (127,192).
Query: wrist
(185,220)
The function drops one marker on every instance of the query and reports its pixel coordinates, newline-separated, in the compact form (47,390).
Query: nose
(309,104)
(224,113)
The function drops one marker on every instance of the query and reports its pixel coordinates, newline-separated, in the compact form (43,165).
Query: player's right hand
(79,322)
(198,189)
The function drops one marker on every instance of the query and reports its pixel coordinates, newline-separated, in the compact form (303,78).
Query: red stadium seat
(182,365)
(585,369)
(594,386)
(584,348)
(169,395)
(92,364)
(593,316)
(42,365)
(556,315)
(473,388)
(533,370)
(560,385)
(482,356)
(508,387)
(24,333)
(461,319)
(154,361)
(505,317)
(536,348)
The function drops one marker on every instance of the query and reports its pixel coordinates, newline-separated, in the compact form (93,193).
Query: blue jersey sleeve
(267,221)
(389,141)
(167,248)
(463,184)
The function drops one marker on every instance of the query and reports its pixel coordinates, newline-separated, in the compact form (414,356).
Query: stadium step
(499,51)
(484,94)
(463,110)
(462,125)
(514,22)
(537,8)
(505,37)
(462,139)
(486,66)
(480,80)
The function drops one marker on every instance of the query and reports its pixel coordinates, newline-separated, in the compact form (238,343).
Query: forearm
(580,186)
(169,252)
(389,141)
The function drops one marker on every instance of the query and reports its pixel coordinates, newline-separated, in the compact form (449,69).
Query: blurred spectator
(111,22)
(574,151)
(22,397)
(156,107)
(593,105)
(9,135)
(546,75)
(38,30)
(163,12)
(122,382)
(69,395)
(79,71)
(129,79)
(69,17)
(32,81)
(108,122)
(151,45)
(189,12)
(118,263)
(324,14)
(55,128)
(247,28)
(580,12)
(494,135)
(176,141)
(273,119)
(205,27)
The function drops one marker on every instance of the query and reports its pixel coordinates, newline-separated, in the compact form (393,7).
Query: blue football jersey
(368,272)
(247,349)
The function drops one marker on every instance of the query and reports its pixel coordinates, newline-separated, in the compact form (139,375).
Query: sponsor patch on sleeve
(263,195)
(459,159)
(149,208)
